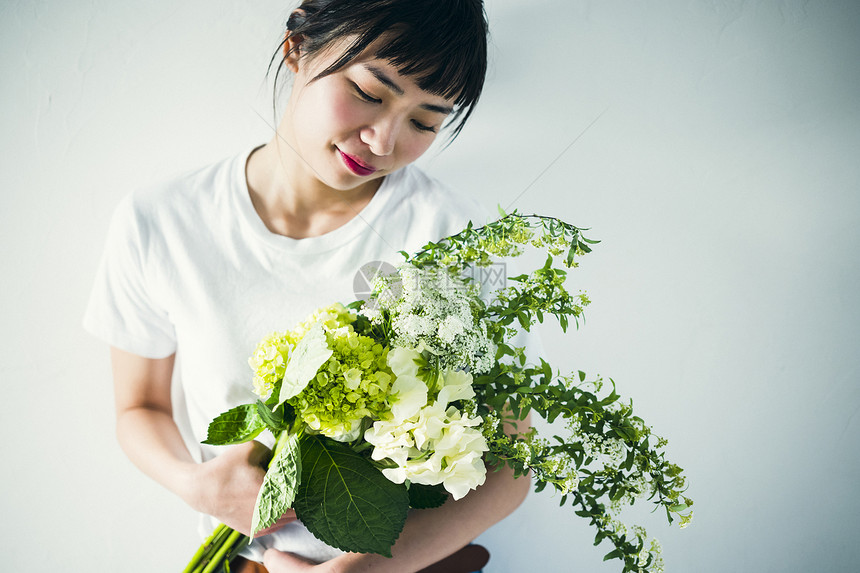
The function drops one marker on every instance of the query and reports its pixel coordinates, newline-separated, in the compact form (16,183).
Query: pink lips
(356,165)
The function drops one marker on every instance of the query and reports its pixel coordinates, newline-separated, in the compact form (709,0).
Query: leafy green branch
(610,457)
(505,237)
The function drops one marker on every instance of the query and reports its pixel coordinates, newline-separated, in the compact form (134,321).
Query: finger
(288,517)
(258,454)
(250,451)
(280,562)
(285,520)
(277,525)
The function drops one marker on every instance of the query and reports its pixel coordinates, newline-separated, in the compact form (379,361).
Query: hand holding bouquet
(402,400)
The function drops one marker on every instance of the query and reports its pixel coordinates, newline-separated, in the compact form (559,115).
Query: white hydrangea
(409,392)
(436,446)
(434,443)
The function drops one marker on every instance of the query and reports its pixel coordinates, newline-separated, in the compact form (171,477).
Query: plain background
(713,147)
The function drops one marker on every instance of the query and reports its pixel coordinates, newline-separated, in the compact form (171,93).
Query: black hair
(442,44)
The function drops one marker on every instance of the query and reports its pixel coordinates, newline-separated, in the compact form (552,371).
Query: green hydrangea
(348,388)
(351,386)
(269,361)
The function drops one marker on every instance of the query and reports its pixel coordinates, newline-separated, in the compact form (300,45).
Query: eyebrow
(389,83)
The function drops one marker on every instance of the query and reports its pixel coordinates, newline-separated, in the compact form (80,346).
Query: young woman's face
(364,121)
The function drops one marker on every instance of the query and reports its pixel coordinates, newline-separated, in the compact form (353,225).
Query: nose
(381,135)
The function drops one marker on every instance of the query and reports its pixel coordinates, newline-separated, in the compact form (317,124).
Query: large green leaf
(345,501)
(235,426)
(280,484)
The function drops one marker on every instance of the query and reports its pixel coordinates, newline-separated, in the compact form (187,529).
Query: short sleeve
(123,308)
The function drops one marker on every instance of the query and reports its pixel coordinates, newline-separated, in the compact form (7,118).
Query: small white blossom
(430,306)
(450,327)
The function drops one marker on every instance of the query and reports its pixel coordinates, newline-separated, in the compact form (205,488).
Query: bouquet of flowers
(402,400)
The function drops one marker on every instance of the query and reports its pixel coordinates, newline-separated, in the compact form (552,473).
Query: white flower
(464,476)
(435,307)
(393,440)
(438,445)
(430,426)
(457,386)
(408,390)
(414,325)
(371,312)
(395,475)
(449,327)
(456,461)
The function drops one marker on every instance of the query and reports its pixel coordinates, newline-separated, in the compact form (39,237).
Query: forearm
(432,534)
(151,440)
(224,487)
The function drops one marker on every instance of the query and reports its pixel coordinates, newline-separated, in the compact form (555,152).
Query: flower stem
(209,550)
(204,549)
(224,543)
(223,551)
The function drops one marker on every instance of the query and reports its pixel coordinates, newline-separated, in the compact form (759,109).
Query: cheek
(344,110)
(414,146)
(325,114)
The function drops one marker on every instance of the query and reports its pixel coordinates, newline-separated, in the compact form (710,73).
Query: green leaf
(548,264)
(345,501)
(546,369)
(235,426)
(310,353)
(426,496)
(571,253)
(524,320)
(280,484)
(616,554)
(278,419)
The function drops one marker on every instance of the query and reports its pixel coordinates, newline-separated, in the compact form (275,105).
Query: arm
(429,534)
(225,487)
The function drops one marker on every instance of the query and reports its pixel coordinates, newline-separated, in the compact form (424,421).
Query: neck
(292,201)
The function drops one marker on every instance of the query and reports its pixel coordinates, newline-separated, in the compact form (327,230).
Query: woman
(200,268)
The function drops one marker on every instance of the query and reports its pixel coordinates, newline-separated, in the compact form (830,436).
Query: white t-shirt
(189,267)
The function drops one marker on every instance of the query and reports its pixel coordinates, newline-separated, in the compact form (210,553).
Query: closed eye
(421,127)
(365,96)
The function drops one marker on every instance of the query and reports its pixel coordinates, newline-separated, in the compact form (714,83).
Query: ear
(292,51)
(292,42)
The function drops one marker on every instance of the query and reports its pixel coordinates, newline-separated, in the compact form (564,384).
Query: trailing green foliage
(609,457)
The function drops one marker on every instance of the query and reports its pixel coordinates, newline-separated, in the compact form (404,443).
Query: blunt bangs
(441,44)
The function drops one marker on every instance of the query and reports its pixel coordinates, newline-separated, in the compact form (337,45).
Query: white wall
(721,174)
